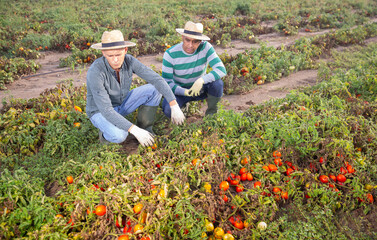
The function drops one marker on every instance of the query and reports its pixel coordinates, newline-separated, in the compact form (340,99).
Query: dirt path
(50,74)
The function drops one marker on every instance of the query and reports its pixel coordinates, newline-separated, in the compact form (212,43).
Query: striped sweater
(180,70)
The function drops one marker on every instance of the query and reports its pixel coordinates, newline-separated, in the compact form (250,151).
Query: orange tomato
(272,168)
(218,233)
(249,177)
(100,210)
(244,161)
(123,237)
(138,228)
(276,154)
(70,179)
(266,168)
(224,185)
(137,208)
(276,190)
(58,216)
(145,238)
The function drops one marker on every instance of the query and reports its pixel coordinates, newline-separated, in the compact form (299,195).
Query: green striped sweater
(180,70)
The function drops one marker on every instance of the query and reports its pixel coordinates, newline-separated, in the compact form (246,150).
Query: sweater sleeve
(95,84)
(152,77)
(218,68)
(168,73)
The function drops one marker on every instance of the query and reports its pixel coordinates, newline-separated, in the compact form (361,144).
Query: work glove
(144,137)
(188,93)
(177,116)
(196,87)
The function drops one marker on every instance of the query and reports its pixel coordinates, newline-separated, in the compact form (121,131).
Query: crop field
(299,167)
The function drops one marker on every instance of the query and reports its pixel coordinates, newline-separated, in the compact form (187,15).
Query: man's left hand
(177,116)
(196,87)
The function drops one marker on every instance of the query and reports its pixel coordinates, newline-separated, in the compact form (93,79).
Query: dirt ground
(50,74)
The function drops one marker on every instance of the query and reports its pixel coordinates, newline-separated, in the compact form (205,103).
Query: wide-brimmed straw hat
(112,40)
(193,30)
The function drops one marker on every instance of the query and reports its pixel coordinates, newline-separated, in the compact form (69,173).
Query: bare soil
(50,74)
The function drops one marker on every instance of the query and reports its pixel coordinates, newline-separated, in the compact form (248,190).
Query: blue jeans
(143,95)
(213,88)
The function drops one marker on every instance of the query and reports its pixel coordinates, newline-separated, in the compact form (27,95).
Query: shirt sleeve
(153,78)
(168,73)
(218,68)
(95,84)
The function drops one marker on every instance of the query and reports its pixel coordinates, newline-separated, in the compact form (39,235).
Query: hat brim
(126,44)
(202,37)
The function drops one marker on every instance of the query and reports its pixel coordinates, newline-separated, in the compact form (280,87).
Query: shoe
(145,117)
(212,104)
(102,140)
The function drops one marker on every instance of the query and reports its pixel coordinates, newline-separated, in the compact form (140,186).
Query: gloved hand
(177,116)
(144,137)
(196,87)
(188,93)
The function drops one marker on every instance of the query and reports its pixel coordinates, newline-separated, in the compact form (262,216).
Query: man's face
(115,57)
(190,45)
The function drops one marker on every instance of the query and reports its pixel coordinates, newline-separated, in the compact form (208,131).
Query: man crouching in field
(109,97)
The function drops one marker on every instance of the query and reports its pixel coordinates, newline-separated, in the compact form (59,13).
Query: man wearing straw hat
(109,97)
(184,69)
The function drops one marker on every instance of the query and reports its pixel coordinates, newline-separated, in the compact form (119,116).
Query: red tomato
(343,170)
(234,182)
(231,177)
(239,188)
(370,197)
(231,219)
(238,224)
(225,198)
(288,163)
(333,177)
(276,190)
(321,160)
(284,195)
(341,178)
(289,171)
(242,171)
(244,177)
(278,162)
(249,177)
(324,179)
(350,169)
(257,184)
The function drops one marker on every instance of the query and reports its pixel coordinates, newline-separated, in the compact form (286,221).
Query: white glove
(188,93)
(144,137)
(195,89)
(177,116)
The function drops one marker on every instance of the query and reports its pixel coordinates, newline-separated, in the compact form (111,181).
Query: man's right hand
(144,137)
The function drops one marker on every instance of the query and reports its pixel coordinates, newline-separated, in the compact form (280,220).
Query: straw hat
(112,40)
(193,30)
